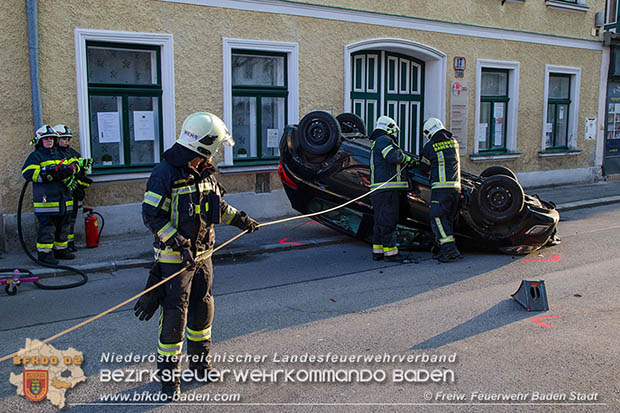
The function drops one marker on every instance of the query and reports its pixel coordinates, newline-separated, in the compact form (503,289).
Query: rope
(201,258)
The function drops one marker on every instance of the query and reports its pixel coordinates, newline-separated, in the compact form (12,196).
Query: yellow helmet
(204,133)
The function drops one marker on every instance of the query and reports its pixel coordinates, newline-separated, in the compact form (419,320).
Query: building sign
(459,104)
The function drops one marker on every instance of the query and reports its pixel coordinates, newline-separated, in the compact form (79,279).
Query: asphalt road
(334,301)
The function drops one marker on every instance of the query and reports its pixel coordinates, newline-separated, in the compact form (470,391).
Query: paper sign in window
(143,125)
(108,124)
(482,132)
(272,138)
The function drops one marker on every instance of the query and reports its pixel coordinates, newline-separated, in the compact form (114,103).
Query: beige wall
(531,16)
(198,33)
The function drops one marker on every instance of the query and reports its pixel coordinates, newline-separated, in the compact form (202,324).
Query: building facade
(519,83)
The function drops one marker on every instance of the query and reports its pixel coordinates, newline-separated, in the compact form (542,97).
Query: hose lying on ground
(36,261)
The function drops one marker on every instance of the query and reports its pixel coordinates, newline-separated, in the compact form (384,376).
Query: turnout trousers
(53,232)
(187,310)
(385,205)
(444,207)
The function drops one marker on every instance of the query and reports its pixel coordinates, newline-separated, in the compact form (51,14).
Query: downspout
(33,53)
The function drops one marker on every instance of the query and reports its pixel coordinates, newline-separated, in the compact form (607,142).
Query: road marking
(537,320)
(285,241)
(553,259)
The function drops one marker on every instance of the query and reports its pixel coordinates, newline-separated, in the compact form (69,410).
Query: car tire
(351,123)
(499,199)
(498,170)
(319,132)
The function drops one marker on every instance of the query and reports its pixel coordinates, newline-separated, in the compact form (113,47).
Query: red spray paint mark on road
(310,222)
(553,259)
(537,320)
(285,241)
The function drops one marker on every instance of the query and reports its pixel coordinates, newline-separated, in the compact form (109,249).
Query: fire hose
(198,260)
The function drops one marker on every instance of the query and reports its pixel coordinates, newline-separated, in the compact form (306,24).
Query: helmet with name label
(431,127)
(204,133)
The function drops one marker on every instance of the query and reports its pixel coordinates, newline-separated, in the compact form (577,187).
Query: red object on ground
(91,228)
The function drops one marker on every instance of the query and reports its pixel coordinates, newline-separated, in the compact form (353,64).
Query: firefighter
(441,156)
(52,183)
(73,158)
(386,160)
(182,203)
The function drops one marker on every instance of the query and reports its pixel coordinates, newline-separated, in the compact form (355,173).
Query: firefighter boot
(377,252)
(204,372)
(63,254)
(170,379)
(71,247)
(47,258)
(449,253)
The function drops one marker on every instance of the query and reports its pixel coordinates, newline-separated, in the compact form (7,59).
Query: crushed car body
(324,162)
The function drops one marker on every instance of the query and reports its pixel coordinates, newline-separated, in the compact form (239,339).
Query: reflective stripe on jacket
(385,162)
(181,201)
(441,156)
(49,198)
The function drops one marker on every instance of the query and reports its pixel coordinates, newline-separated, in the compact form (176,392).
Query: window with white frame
(124,96)
(561,110)
(260,99)
(125,100)
(497,85)
(611,12)
(259,93)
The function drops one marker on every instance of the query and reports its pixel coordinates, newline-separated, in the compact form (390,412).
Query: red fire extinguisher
(91,227)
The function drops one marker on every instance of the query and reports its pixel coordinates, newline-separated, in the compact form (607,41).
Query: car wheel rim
(318,133)
(499,199)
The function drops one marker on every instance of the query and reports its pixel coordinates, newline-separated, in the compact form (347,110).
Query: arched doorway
(392,77)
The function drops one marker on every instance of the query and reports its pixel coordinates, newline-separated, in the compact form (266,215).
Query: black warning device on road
(532,295)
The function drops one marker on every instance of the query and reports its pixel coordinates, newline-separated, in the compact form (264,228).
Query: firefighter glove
(188,258)
(86,163)
(244,222)
(70,182)
(149,302)
(56,174)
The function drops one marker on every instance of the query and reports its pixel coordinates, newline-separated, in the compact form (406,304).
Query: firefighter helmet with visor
(431,127)
(387,124)
(204,133)
(45,131)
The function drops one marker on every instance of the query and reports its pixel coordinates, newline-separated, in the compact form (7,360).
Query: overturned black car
(324,162)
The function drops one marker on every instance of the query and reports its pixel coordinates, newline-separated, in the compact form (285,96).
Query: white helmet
(432,126)
(63,131)
(204,133)
(388,125)
(44,131)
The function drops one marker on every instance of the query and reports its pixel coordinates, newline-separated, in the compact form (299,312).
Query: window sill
(562,5)
(550,153)
(494,156)
(117,177)
(240,169)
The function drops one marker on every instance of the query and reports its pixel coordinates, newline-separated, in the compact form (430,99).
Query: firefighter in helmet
(386,160)
(182,203)
(53,180)
(441,156)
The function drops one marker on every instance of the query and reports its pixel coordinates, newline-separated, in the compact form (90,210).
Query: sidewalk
(137,251)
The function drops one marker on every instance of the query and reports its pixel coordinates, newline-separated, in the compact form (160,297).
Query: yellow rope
(201,258)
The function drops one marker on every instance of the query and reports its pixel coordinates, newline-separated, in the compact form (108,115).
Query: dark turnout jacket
(441,156)
(385,162)
(49,198)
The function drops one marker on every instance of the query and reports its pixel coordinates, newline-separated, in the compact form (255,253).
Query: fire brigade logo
(36,384)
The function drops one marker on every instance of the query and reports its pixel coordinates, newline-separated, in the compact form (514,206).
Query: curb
(111,266)
(234,252)
(590,203)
